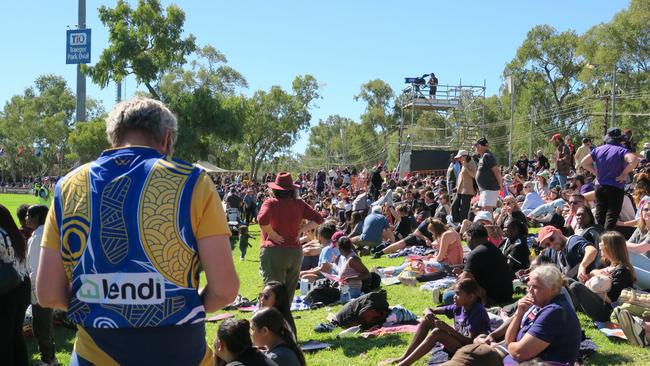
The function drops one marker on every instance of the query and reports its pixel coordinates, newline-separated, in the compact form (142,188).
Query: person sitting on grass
(545,327)
(619,273)
(275,295)
(515,246)
(447,242)
(328,254)
(421,236)
(470,320)
(271,332)
(350,269)
(233,346)
(375,230)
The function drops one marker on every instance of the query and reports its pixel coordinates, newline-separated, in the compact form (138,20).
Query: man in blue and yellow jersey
(124,242)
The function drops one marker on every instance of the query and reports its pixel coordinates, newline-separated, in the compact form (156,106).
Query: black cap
(482,141)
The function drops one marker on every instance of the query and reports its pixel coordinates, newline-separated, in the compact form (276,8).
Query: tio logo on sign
(78,39)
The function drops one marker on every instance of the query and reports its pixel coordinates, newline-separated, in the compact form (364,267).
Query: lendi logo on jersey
(122,288)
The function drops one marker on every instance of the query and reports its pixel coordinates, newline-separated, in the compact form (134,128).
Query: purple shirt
(556,324)
(610,162)
(471,323)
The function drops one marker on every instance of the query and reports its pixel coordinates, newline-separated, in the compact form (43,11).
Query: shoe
(241,258)
(377,255)
(632,327)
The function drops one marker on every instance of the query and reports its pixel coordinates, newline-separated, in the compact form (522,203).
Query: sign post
(77,46)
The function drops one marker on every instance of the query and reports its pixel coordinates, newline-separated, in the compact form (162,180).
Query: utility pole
(511,88)
(533,120)
(81,78)
(613,97)
(118,98)
(606,116)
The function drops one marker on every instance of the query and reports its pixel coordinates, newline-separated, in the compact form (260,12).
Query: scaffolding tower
(459,105)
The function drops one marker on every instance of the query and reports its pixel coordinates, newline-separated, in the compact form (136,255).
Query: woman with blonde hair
(596,295)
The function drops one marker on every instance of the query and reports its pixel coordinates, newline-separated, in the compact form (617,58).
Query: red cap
(556,136)
(546,232)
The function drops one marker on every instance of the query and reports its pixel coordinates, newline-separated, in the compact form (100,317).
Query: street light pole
(81,78)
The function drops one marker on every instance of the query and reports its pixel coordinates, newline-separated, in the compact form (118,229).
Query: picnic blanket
(442,283)
(391,329)
(610,329)
(414,250)
(219,317)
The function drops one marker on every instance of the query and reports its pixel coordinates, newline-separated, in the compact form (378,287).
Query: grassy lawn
(357,351)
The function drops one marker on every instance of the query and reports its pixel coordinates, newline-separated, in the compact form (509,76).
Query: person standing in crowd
(453,174)
(375,182)
(281,221)
(14,301)
(148,223)
(583,150)
(465,188)
(41,316)
(233,200)
(249,206)
(433,85)
(611,163)
(488,176)
(563,162)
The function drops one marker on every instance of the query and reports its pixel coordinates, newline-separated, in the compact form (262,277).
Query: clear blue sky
(342,43)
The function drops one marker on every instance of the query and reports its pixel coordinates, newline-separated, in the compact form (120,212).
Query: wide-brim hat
(283,182)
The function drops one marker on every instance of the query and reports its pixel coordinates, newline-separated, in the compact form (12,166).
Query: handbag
(9,277)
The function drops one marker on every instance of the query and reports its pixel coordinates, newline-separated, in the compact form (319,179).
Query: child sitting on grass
(470,320)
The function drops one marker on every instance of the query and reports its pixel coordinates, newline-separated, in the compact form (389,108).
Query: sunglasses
(574,202)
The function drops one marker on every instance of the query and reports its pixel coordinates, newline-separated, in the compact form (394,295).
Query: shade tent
(211,168)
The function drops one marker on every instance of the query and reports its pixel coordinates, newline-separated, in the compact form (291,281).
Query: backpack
(322,291)
(365,311)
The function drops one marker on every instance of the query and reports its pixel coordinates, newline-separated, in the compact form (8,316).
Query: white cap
(461,153)
(483,215)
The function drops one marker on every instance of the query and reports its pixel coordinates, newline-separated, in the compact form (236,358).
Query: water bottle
(345,293)
(304,287)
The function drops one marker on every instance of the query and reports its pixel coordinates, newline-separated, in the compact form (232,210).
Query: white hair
(142,114)
(550,276)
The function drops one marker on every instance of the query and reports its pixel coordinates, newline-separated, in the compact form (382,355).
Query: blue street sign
(77,46)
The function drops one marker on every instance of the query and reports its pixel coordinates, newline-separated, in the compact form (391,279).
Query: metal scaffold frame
(457,104)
